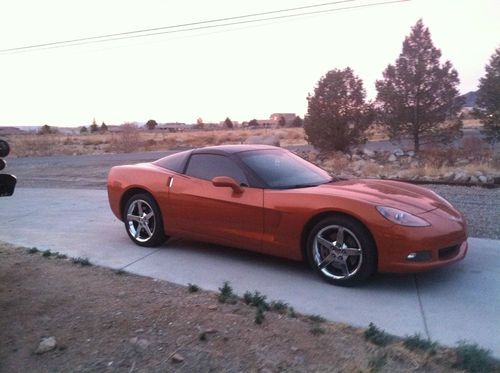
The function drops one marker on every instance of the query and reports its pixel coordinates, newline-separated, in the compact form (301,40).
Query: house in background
(289,118)
(172,127)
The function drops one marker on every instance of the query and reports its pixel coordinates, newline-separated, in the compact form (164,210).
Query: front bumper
(441,244)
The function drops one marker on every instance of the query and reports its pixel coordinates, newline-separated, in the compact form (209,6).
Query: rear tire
(341,251)
(143,221)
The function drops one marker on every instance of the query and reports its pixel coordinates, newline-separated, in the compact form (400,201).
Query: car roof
(231,149)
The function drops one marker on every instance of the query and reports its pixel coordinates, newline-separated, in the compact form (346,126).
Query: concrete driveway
(448,305)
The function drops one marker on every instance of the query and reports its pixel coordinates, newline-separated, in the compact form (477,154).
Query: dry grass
(132,139)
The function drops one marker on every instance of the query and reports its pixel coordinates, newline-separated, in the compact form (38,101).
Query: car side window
(208,166)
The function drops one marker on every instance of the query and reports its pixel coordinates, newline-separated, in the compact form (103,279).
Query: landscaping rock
(411,153)
(398,152)
(369,153)
(392,158)
(177,358)
(140,343)
(483,179)
(46,344)
(461,177)
(474,179)
(449,176)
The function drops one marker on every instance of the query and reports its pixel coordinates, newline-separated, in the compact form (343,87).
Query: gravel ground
(481,206)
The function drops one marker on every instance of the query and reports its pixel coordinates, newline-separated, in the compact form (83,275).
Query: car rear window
(175,162)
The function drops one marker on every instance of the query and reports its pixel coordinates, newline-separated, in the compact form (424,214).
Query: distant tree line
(417,98)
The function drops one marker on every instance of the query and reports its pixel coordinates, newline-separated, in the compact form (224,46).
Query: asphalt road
(451,304)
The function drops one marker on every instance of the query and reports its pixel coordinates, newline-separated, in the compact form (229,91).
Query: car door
(216,214)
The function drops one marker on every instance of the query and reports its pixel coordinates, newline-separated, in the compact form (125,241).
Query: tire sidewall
(369,252)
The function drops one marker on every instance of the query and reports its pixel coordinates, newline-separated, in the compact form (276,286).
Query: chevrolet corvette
(266,199)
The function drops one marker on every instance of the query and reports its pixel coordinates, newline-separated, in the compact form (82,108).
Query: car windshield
(281,169)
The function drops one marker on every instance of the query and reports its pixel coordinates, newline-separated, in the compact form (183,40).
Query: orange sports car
(267,199)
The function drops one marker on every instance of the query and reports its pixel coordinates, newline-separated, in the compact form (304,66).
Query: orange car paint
(275,221)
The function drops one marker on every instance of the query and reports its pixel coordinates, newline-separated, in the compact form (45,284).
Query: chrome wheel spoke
(148,230)
(340,237)
(325,243)
(138,230)
(326,261)
(344,268)
(139,207)
(149,216)
(131,217)
(351,251)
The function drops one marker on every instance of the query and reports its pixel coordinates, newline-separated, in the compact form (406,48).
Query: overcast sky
(242,71)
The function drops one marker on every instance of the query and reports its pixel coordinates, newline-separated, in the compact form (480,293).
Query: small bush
(377,336)
(33,250)
(472,358)
(279,306)
(256,300)
(119,272)
(226,294)
(416,342)
(192,288)
(316,318)
(316,329)
(82,261)
(291,312)
(247,297)
(46,253)
(259,315)
(60,256)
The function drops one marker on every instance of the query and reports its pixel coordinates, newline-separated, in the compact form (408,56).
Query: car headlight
(401,217)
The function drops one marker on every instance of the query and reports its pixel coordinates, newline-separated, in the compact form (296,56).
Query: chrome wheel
(337,252)
(140,220)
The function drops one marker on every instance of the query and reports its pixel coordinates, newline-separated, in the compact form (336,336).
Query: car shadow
(386,282)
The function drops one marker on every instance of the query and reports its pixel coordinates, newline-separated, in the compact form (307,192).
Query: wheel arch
(328,214)
(131,192)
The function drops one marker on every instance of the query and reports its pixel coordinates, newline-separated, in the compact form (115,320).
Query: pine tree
(94,127)
(488,99)
(151,124)
(228,123)
(418,94)
(297,122)
(337,113)
(104,127)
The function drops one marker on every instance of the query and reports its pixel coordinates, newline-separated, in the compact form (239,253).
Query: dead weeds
(105,322)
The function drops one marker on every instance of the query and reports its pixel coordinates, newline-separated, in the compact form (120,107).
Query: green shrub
(416,342)
(472,358)
(377,336)
(259,316)
(226,294)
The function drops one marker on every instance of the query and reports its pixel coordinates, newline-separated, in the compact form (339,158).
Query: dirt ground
(110,321)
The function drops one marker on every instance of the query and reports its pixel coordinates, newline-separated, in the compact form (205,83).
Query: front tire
(341,251)
(143,221)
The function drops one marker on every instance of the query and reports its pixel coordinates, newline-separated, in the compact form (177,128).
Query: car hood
(404,196)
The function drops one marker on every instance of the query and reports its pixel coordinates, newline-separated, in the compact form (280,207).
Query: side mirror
(226,181)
